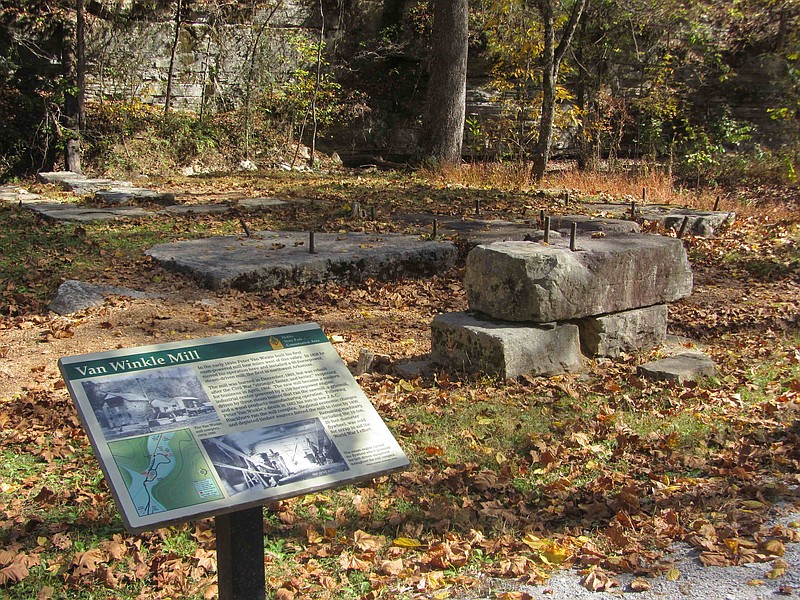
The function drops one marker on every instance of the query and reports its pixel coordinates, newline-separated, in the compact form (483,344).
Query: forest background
(708,89)
(599,472)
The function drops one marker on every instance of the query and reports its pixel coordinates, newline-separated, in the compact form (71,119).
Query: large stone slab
(196,209)
(78,184)
(270,259)
(681,368)
(261,202)
(589,224)
(12,193)
(465,342)
(86,214)
(133,195)
(74,295)
(627,331)
(528,281)
(702,223)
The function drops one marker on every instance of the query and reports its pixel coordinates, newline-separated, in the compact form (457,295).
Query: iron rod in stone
(573,233)
(546,238)
(633,210)
(682,230)
(716,203)
(245,227)
(435,228)
(311,248)
(477,206)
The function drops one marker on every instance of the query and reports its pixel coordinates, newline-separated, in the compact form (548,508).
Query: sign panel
(203,427)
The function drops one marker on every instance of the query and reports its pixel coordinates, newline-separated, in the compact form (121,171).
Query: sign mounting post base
(240,555)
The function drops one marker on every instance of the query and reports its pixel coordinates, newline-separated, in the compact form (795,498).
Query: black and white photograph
(269,457)
(149,402)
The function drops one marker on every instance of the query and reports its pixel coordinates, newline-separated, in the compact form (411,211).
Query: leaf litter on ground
(599,471)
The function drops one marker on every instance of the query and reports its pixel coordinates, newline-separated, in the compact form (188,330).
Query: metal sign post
(240,555)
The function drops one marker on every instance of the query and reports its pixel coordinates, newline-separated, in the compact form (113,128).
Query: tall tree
(445,109)
(172,55)
(74,67)
(552,57)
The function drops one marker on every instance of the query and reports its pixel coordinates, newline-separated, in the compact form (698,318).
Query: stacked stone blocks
(534,307)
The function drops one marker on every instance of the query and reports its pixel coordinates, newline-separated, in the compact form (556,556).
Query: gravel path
(745,582)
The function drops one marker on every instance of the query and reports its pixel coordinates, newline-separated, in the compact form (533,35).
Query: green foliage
(290,102)
(514,41)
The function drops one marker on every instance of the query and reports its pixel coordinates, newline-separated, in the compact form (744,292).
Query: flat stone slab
(467,342)
(12,193)
(86,214)
(588,224)
(702,223)
(133,195)
(260,203)
(78,184)
(627,331)
(487,231)
(73,296)
(540,283)
(270,259)
(681,368)
(198,209)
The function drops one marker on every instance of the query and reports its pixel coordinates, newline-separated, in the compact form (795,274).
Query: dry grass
(623,184)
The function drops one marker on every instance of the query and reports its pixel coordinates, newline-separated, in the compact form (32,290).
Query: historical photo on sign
(273,456)
(149,402)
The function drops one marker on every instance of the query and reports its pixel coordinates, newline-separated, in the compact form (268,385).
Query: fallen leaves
(637,465)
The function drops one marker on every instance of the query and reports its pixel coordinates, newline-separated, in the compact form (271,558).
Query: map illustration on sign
(164,471)
(198,428)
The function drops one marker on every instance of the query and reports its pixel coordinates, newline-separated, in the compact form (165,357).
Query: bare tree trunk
(80,41)
(71,113)
(251,75)
(317,82)
(551,59)
(173,53)
(445,110)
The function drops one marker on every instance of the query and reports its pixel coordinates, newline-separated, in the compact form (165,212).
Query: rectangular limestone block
(681,368)
(627,331)
(541,283)
(464,341)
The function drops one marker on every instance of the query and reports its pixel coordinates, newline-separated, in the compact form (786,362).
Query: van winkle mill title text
(145,362)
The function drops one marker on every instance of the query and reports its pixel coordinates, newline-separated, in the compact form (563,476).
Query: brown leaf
(284,594)
(714,559)
(597,580)
(86,563)
(13,573)
(366,542)
(775,547)
(514,596)
(350,562)
(45,593)
(392,567)
(640,585)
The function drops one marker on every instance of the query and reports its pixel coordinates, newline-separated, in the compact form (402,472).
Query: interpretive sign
(205,427)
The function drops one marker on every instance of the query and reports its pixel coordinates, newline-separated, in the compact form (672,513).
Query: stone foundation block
(681,368)
(541,283)
(627,331)
(463,341)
